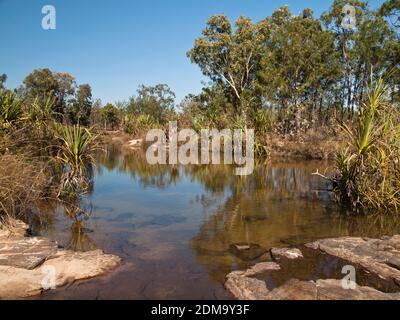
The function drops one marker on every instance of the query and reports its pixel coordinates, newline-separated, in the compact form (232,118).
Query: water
(175,227)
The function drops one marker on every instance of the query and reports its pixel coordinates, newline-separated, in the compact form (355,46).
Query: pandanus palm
(10,108)
(369,125)
(75,148)
(368,169)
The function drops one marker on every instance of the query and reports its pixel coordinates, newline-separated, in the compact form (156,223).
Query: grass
(23,183)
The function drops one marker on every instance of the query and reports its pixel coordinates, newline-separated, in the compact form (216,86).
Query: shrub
(138,124)
(368,170)
(22,184)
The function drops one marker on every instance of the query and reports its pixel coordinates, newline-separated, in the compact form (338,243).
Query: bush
(136,125)
(22,184)
(368,170)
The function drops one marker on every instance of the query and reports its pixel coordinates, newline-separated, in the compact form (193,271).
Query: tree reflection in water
(279,204)
(79,240)
(185,220)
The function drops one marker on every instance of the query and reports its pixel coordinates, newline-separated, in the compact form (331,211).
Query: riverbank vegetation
(305,84)
(369,167)
(42,158)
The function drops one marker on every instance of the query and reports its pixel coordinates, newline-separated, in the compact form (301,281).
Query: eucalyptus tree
(42,85)
(156,101)
(345,38)
(230,56)
(391,10)
(80,109)
(370,48)
(110,116)
(66,87)
(377,52)
(301,64)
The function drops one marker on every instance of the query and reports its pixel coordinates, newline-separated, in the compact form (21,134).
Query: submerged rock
(246,251)
(30,265)
(255,218)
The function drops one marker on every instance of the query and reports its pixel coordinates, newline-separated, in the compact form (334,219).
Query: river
(176,227)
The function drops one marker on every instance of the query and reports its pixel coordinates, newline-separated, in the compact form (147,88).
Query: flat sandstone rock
(30,265)
(378,256)
(329,289)
(247,288)
(243,287)
(25,252)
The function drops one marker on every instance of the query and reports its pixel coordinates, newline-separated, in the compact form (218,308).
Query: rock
(24,252)
(262,267)
(292,253)
(25,262)
(246,251)
(294,290)
(332,290)
(245,288)
(326,290)
(68,266)
(377,259)
(379,256)
(242,287)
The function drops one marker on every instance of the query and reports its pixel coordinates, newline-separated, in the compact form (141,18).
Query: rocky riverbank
(31,265)
(316,271)
(311,145)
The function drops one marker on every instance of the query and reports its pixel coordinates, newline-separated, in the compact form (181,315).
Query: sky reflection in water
(174,227)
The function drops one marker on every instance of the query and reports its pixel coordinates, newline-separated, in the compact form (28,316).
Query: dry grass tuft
(22,184)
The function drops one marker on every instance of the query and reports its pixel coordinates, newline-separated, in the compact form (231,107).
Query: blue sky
(116,45)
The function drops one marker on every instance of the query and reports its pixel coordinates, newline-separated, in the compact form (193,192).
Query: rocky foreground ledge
(31,265)
(314,272)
